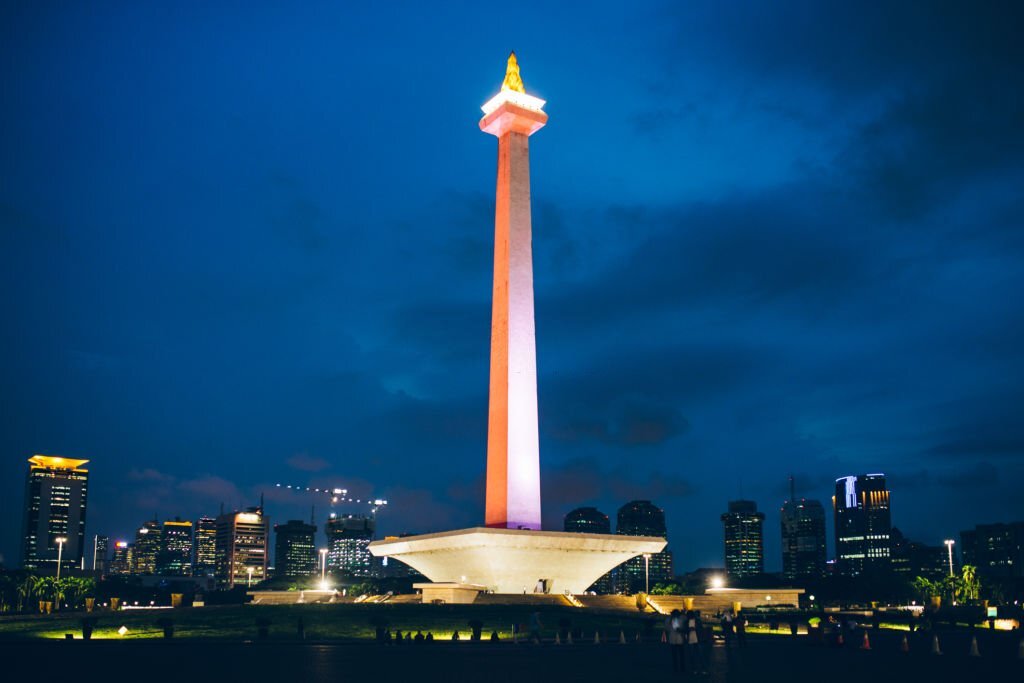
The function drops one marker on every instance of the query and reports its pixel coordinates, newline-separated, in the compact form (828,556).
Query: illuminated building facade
(863,525)
(744,539)
(100,554)
(348,541)
(56,493)
(123,561)
(513,450)
(642,518)
(803,539)
(997,550)
(590,520)
(241,548)
(146,548)
(205,545)
(175,557)
(295,549)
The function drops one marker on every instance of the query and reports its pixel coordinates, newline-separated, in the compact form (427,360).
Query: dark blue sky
(248,244)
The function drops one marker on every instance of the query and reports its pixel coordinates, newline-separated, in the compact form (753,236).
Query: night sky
(246,245)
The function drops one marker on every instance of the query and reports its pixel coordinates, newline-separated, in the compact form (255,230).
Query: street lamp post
(248,570)
(949,545)
(60,552)
(323,568)
(647,572)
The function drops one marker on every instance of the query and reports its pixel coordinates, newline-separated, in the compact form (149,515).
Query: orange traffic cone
(905,645)
(936,650)
(974,647)
(865,644)
(664,639)
(622,637)
(840,640)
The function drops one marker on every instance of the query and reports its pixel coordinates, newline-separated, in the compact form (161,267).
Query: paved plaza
(763,660)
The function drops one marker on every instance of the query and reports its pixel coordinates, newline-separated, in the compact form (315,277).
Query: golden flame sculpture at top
(513,81)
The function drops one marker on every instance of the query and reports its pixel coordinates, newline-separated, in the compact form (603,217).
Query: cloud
(584,480)
(211,488)
(149,475)
(307,463)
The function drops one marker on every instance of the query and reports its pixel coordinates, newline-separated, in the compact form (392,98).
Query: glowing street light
(323,567)
(60,551)
(249,572)
(949,544)
(717,581)
(647,572)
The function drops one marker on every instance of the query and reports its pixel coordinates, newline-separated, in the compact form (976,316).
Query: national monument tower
(513,451)
(511,554)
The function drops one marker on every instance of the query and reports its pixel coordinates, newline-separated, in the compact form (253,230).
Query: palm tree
(925,589)
(969,583)
(45,588)
(28,588)
(7,592)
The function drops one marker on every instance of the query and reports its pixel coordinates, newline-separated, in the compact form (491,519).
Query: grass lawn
(327,622)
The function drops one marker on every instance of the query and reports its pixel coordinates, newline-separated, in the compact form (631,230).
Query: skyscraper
(241,548)
(123,562)
(295,549)
(100,553)
(863,524)
(587,521)
(56,491)
(744,539)
(146,547)
(997,550)
(348,540)
(910,558)
(590,520)
(642,518)
(205,545)
(175,557)
(803,539)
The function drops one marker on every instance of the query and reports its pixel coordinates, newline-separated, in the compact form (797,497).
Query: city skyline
(751,261)
(169,548)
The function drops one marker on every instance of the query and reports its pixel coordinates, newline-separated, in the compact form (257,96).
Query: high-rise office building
(910,558)
(863,525)
(241,548)
(803,539)
(123,562)
(56,492)
(205,547)
(348,541)
(146,547)
(295,549)
(175,557)
(997,550)
(642,518)
(590,520)
(744,539)
(100,554)
(587,521)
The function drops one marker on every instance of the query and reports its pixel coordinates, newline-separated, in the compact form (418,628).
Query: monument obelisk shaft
(513,450)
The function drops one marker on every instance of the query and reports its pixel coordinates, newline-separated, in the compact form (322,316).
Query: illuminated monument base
(516,561)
